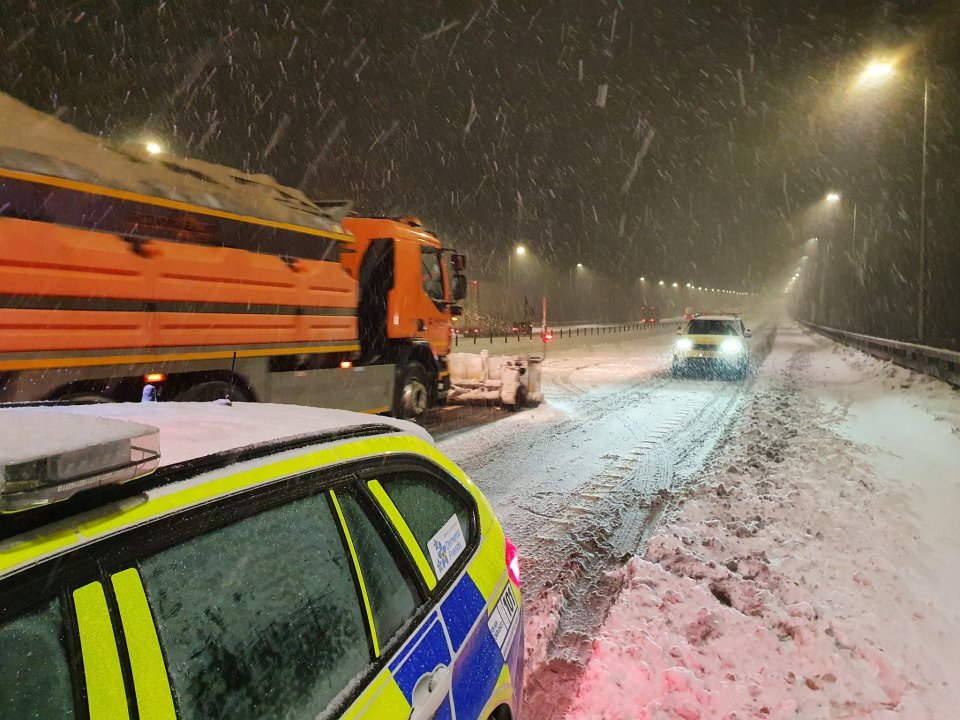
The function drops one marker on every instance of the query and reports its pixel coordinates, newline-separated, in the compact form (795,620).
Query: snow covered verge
(814,571)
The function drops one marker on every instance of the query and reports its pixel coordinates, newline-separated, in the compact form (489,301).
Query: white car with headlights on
(712,344)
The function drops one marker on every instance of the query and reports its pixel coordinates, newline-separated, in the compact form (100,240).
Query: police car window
(393,595)
(427,505)
(260,619)
(34,671)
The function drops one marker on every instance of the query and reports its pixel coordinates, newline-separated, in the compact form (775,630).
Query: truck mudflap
(512,380)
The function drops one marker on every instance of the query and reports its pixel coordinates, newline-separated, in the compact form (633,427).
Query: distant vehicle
(716,344)
(649,314)
(521,327)
(275,561)
(689,314)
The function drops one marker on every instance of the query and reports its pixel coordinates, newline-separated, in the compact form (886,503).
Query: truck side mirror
(679,331)
(459,286)
(459,262)
(456,310)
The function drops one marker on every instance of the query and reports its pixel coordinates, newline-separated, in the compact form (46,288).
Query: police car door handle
(430,692)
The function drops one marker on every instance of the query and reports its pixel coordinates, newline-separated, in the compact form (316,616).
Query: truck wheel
(213,390)
(413,394)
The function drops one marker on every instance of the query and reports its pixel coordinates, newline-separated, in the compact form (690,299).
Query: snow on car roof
(194,430)
(34,142)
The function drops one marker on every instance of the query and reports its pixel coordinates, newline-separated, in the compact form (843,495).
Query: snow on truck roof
(193,430)
(38,143)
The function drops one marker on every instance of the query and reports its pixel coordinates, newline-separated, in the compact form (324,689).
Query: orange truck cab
(408,292)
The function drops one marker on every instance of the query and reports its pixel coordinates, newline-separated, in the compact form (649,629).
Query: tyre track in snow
(579,485)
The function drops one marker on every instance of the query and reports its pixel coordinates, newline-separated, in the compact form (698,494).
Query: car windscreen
(713,327)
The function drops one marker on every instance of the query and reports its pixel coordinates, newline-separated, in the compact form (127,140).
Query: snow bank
(800,578)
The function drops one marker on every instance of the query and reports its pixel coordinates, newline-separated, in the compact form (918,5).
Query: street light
(519,251)
(574,288)
(833,197)
(874,74)
(153,148)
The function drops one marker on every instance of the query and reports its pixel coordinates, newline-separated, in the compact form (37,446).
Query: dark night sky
(483,117)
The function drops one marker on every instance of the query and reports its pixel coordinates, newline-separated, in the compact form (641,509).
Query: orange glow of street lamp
(876,72)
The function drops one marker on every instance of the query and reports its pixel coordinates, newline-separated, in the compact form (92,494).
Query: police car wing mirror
(748,333)
(679,331)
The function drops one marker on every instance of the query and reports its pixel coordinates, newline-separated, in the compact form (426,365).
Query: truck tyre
(213,390)
(413,394)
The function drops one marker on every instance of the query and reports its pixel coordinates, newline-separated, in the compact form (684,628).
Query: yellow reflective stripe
(36,547)
(383,698)
(488,569)
(153,359)
(405,534)
(154,698)
(356,565)
(106,697)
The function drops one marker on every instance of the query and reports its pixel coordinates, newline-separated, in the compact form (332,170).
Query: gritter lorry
(124,272)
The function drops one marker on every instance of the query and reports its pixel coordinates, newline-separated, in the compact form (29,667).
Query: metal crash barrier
(936,362)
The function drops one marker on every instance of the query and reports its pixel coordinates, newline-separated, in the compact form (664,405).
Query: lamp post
(519,251)
(573,287)
(476,284)
(875,73)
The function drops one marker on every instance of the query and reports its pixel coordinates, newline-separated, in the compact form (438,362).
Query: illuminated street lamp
(833,197)
(573,288)
(519,251)
(153,148)
(874,74)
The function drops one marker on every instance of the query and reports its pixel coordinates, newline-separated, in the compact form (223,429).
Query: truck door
(417,302)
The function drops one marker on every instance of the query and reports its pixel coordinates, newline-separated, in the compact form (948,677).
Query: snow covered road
(784,547)
(579,482)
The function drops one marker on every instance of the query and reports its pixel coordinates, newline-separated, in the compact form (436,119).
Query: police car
(168,560)
(715,344)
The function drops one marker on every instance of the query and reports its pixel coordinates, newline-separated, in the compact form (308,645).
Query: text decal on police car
(445,547)
(504,620)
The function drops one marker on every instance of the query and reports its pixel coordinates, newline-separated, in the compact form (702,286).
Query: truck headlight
(684,344)
(731,346)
